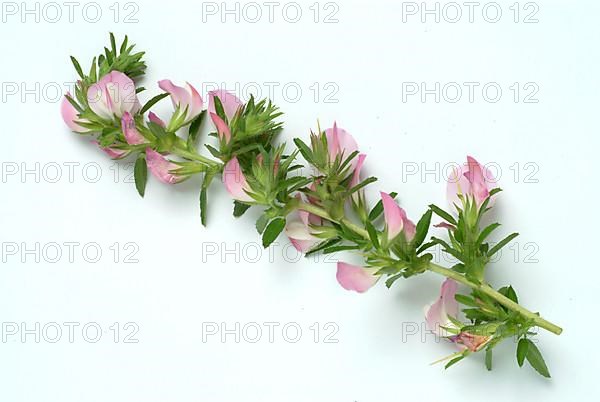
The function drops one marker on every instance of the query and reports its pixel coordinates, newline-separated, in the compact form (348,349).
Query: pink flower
(356,278)
(299,232)
(131,133)
(70,115)
(396,220)
(222,128)
(470,341)
(235,181)
(436,314)
(473,180)
(340,142)
(230,102)
(113,95)
(161,167)
(184,98)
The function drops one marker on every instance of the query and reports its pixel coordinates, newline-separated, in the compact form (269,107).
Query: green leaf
(335,249)
(323,245)
(522,348)
(152,102)
(77,67)
(261,223)
(488,359)
(203,196)
(466,300)
(443,214)
(501,244)
(534,357)
(454,361)
(304,150)
(113,44)
(194,130)
(239,208)
(219,109)
(378,208)
(372,234)
(140,173)
(422,228)
(272,231)
(390,281)
(486,232)
(509,292)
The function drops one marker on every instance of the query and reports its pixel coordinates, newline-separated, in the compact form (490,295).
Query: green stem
(180,150)
(482,287)
(500,298)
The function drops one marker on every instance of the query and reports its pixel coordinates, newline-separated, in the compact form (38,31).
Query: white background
(175,287)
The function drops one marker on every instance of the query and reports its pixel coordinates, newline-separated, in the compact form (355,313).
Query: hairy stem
(482,287)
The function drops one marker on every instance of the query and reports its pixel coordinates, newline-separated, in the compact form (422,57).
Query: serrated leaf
(140,173)
(272,231)
(534,357)
(522,348)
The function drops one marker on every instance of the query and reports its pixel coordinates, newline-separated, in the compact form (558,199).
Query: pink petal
(340,141)
(70,115)
(445,225)
(471,180)
(408,227)
(300,236)
(113,95)
(235,181)
(179,96)
(230,102)
(156,120)
(393,214)
(356,176)
(161,167)
(222,127)
(97,101)
(184,98)
(356,278)
(477,180)
(132,135)
(437,314)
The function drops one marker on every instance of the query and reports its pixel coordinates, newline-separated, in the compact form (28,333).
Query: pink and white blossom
(437,313)
(113,95)
(472,180)
(187,99)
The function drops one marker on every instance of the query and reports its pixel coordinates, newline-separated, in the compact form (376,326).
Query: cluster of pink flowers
(114,98)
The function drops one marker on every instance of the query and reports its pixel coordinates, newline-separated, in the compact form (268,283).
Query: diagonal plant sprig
(328,189)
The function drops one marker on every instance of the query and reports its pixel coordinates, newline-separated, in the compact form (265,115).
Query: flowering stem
(181,150)
(482,287)
(500,298)
(313,209)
